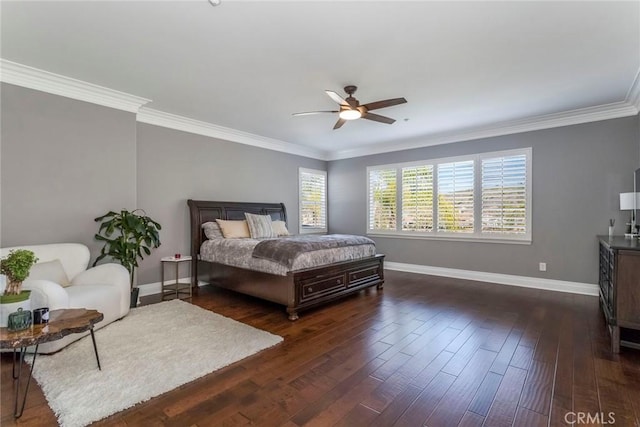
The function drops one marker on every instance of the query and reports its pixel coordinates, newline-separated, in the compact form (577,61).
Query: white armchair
(104,288)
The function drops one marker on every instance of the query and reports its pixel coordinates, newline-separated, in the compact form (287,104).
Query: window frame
(435,234)
(311,230)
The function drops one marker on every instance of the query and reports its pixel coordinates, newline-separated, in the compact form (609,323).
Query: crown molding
(566,118)
(633,96)
(44,81)
(34,78)
(499,278)
(173,121)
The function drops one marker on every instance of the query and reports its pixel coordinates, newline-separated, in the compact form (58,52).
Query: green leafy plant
(16,267)
(127,236)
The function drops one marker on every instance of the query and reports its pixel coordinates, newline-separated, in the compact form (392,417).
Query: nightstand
(176,288)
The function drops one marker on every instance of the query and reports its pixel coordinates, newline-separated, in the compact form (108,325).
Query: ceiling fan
(350,108)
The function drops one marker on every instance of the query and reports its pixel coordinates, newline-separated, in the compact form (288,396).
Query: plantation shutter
(504,194)
(455,197)
(313,199)
(417,198)
(382,199)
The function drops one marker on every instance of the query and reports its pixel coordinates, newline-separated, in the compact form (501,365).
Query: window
(313,200)
(417,198)
(382,198)
(479,197)
(504,195)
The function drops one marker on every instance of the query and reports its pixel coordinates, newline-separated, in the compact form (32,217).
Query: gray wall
(578,173)
(174,166)
(64,162)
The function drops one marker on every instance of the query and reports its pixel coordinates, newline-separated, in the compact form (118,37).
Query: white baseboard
(502,279)
(481,276)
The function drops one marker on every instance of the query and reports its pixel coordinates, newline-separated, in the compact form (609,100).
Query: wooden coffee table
(61,323)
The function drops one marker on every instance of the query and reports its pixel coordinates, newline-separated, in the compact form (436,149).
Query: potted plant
(127,236)
(15,267)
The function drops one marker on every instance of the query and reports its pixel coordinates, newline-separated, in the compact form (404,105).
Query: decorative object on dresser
(298,288)
(619,281)
(176,288)
(630,202)
(135,233)
(181,342)
(15,266)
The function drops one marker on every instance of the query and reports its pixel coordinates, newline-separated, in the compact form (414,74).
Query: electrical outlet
(543,266)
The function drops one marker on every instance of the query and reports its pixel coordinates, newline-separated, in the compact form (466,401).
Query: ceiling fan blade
(378,118)
(383,104)
(307,113)
(339,124)
(336,97)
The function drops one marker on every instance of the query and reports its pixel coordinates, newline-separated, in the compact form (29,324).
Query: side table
(176,288)
(61,323)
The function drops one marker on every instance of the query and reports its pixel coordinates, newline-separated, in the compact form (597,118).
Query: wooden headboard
(202,211)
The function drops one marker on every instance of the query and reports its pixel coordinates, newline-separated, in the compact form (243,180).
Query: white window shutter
(455,197)
(504,194)
(417,198)
(313,200)
(382,199)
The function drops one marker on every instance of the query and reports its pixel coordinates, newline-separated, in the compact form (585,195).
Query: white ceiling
(248,65)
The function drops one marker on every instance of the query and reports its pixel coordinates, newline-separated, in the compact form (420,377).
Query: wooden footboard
(320,285)
(302,289)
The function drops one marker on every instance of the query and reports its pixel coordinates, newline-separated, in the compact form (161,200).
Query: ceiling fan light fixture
(350,114)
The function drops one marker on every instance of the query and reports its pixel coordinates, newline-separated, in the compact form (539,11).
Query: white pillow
(50,270)
(280,228)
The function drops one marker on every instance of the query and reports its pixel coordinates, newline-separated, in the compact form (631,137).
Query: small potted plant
(126,235)
(15,267)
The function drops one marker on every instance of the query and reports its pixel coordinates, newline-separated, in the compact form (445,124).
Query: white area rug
(154,349)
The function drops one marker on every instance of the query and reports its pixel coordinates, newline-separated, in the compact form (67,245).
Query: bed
(299,289)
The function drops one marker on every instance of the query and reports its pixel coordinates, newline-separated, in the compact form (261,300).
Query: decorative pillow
(212,230)
(259,226)
(233,229)
(280,228)
(51,270)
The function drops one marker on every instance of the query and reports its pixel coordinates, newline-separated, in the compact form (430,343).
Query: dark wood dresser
(620,286)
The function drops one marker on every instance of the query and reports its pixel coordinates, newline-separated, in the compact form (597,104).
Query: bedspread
(285,250)
(238,253)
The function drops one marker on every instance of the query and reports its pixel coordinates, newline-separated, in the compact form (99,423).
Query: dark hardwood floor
(424,351)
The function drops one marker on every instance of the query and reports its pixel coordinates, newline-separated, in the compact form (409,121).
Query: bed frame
(299,290)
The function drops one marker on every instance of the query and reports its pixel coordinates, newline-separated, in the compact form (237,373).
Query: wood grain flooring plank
(359,416)
(536,394)
(528,418)
(340,407)
(464,354)
(397,407)
(454,404)
(486,393)
(522,357)
(505,404)
(426,402)
(358,379)
(506,352)
(532,332)
(471,419)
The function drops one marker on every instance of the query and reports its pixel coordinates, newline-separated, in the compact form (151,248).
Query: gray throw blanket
(286,249)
